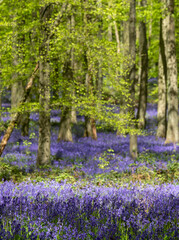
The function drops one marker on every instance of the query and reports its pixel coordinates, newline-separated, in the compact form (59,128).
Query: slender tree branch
(17,115)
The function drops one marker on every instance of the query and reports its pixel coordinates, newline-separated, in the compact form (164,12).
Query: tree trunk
(143,73)
(124,66)
(25,124)
(117,37)
(17,92)
(172,127)
(0,102)
(65,133)
(90,128)
(74,69)
(43,154)
(73,116)
(162,85)
(132,49)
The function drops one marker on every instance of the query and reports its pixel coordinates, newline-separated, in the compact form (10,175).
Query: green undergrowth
(74,173)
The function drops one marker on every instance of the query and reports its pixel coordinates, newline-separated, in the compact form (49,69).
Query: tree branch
(17,115)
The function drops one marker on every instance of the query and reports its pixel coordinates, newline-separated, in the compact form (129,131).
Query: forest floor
(93,189)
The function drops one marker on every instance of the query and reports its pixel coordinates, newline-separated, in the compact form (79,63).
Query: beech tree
(167,83)
(162,82)
(86,61)
(43,154)
(172,126)
(68,114)
(143,78)
(132,50)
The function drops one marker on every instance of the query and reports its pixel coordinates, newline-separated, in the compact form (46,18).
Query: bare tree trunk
(162,85)
(65,133)
(16,116)
(68,115)
(143,73)
(117,37)
(110,33)
(73,116)
(90,128)
(74,68)
(132,49)
(17,92)
(43,154)
(94,131)
(125,51)
(172,127)
(150,29)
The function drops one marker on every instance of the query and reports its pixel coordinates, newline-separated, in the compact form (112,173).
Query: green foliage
(85,41)
(147,157)
(9,172)
(104,159)
(27,144)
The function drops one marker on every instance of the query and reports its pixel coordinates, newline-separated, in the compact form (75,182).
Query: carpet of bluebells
(93,190)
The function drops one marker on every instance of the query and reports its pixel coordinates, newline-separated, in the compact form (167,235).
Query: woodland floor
(93,190)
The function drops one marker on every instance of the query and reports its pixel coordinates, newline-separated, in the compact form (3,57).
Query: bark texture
(74,66)
(132,49)
(162,84)
(117,37)
(17,92)
(68,115)
(90,128)
(43,154)
(172,126)
(143,72)
(65,133)
(90,125)
(73,116)
(124,66)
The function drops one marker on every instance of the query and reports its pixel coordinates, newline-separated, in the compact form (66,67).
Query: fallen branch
(17,115)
